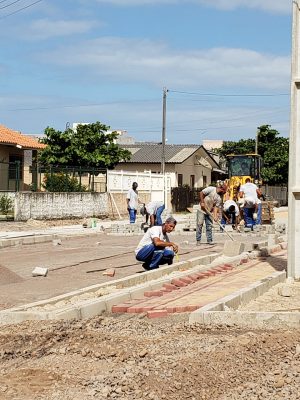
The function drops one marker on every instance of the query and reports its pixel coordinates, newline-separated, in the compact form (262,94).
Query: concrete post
(294,152)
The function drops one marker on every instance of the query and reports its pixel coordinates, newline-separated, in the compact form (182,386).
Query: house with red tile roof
(17,154)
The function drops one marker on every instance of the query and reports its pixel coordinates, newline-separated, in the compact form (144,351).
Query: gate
(184,197)
(10,176)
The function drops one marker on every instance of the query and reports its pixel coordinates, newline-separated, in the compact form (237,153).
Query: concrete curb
(76,304)
(128,288)
(42,238)
(215,313)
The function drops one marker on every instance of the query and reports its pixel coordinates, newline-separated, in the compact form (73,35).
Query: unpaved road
(136,358)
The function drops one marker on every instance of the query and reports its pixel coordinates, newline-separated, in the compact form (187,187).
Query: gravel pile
(130,357)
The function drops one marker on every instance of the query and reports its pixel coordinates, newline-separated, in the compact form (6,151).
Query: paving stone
(233,248)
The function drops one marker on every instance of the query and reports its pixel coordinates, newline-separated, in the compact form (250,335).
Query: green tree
(273,148)
(89,146)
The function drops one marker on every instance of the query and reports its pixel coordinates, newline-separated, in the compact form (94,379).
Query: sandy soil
(282,297)
(135,358)
(131,357)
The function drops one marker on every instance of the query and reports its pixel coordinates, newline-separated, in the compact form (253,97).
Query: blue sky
(226,64)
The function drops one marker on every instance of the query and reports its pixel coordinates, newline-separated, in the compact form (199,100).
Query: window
(192,181)
(204,180)
(180,179)
(15,170)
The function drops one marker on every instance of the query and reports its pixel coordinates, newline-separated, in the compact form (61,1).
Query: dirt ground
(129,357)
(137,358)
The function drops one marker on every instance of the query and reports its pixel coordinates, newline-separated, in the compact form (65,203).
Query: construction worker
(132,202)
(210,203)
(250,193)
(155,248)
(230,214)
(153,211)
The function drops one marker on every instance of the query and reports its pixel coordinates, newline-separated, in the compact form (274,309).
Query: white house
(190,165)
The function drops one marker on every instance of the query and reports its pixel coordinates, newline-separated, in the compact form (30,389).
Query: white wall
(59,205)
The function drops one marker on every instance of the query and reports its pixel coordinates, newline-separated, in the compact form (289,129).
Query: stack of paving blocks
(126,229)
(267,215)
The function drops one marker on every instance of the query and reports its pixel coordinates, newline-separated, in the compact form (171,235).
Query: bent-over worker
(153,211)
(210,203)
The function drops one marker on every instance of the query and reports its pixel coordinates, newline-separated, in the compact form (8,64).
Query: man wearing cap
(155,248)
(210,203)
(153,211)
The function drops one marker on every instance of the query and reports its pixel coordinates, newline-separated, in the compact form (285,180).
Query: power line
(174,125)
(79,105)
(20,9)
(10,4)
(229,94)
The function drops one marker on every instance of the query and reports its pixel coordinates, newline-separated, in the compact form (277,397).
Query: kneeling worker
(155,248)
(230,214)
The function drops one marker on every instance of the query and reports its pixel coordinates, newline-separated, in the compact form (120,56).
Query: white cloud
(127,60)
(46,28)
(275,6)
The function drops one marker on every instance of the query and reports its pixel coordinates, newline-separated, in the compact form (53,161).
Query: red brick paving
(187,293)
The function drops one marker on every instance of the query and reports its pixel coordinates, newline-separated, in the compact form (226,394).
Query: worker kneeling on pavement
(230,214)
(155,248)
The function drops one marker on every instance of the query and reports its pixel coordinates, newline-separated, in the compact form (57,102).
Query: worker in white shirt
(230,214)
(155,247)
(250,194)
(133,201)
(153,211)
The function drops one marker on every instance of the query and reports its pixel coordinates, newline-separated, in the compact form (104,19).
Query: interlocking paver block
(157,314)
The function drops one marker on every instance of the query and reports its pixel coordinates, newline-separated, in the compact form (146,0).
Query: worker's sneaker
(255,216)
(198,243)
(211,243)
(146,266)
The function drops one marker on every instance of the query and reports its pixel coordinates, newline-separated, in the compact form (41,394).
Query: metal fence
(184,197)
(68,179)
(15,177)
(277,193)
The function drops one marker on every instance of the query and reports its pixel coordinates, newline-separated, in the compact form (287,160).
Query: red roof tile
(10,137)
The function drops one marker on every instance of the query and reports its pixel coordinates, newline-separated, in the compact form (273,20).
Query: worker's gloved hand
(128,208)
(255,216)
(241,202)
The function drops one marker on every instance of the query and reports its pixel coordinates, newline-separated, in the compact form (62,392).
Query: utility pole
(256,141)
(163,135)
(293,267)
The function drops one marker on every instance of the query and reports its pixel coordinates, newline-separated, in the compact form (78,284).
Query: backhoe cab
(241,167)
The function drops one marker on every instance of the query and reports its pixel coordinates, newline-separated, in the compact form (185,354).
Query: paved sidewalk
(197,290)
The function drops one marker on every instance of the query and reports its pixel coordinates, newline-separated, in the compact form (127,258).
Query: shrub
(6,204)
(60,182)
